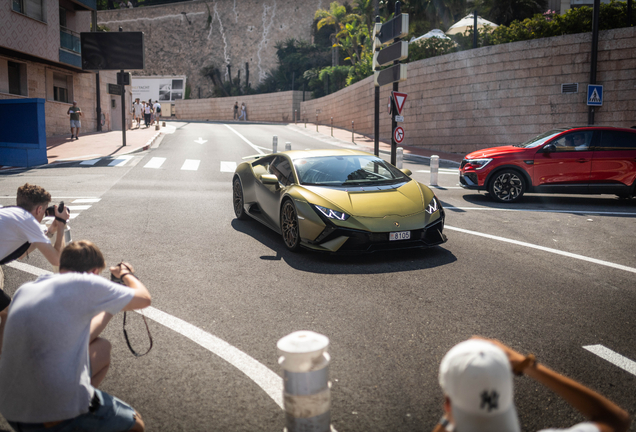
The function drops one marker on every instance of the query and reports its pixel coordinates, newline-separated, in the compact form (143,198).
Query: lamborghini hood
(375,201)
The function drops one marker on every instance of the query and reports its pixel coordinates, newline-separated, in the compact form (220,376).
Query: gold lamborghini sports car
(338,201)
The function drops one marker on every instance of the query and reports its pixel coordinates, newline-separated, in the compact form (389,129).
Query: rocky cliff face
(183,38)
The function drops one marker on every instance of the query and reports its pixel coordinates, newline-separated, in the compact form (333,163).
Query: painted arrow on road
(201,141)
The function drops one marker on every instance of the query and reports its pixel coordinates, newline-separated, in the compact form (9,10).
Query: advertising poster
(163,89)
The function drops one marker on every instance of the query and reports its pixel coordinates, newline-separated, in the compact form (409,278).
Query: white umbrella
(437,33)
(469,21)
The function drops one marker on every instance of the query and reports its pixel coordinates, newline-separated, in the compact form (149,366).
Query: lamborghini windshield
(356,170)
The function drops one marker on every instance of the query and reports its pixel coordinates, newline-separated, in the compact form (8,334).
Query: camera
(50,211)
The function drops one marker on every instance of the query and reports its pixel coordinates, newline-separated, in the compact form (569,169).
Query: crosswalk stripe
(74,208)
(155,162)
(228,166)
(86,200)
(613,357)
(120,161)
(191,165)
(90,162)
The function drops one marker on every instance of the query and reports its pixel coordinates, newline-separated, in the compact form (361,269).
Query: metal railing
(70,40)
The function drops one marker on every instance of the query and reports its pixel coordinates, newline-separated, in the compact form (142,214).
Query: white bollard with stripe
(306,394)
(287,146)
(275,144)
(399,157)
(434,169)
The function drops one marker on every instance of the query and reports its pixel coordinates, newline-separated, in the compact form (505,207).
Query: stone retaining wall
(271,107)
(496,95)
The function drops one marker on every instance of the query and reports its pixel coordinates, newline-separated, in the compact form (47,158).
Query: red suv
(578,160)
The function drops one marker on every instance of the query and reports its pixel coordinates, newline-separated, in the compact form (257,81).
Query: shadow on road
(580,205)
(316,262)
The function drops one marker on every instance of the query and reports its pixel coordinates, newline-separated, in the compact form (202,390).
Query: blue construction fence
(22,132)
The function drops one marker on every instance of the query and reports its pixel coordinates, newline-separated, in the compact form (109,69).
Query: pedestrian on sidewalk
(54,358)
(243,112)
(157,108)
(21,233)
(236,110)
(75,112)
(476,377)
(137,110)
(147,113)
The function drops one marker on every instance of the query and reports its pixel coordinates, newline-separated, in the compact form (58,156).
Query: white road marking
(155,162)
(86,200)
(75,208)
(255,147)
(228,166)
(265,378)
(191,165)
(613,357)
(585,212)
(446,187)
(201,141)
(90,162)
(78,157)
(545,249)
(120,161)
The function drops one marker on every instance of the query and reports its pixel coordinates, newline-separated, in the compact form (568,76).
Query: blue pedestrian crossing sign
(594,95)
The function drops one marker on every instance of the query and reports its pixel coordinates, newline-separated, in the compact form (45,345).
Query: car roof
(597,127)
(301,154)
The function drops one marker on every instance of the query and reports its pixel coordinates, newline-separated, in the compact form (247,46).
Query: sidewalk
(365,143)
(93,145)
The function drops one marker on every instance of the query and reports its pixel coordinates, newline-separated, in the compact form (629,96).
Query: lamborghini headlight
(331,214)
(433,206)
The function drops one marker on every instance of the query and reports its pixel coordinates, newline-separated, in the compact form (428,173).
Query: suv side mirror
(549,148)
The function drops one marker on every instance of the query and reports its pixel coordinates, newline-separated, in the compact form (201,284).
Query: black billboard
(112,50)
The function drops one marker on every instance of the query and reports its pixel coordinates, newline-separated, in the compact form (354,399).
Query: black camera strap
(120,280)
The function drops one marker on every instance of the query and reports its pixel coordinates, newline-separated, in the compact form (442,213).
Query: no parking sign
(398,134)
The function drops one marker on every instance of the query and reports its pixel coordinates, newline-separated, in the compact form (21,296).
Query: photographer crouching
(54,358)
(21,233)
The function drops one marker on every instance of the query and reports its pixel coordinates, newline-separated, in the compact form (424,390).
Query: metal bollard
(287,146)
(331,126)
(399,157)
(316,122)
(275,144)
(434,169)
(295,112)
(305,363)
(352,132)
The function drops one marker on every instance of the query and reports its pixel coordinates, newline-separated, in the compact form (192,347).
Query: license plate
(400,235)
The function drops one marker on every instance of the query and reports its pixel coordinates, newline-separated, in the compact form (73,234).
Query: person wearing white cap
(476,377)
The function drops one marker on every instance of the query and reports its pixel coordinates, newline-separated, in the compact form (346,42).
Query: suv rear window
(617,140)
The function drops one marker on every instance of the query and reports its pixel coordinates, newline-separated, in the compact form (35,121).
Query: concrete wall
(496,95)
(182,38)
(272,107)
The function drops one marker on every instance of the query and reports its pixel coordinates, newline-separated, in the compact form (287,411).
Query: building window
(60,88)
(31,8)
(62,17)
(16,80)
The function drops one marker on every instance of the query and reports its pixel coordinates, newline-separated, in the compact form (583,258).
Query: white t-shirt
(148,109)
(157,105)
(45,368)
(581,427)
(18,226)
(137,108)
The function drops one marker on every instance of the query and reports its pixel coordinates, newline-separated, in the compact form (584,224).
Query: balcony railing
(70,40)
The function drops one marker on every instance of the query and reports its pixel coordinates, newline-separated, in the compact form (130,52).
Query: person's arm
(80,113)
(98,324)
(141,299)
(607,416)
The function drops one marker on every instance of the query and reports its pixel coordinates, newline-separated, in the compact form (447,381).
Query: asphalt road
(520,273)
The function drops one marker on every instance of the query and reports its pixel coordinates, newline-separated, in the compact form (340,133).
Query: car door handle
(581,160)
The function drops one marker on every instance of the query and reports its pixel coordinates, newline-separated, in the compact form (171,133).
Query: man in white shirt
(21,233)
(476,377)
(157,108)
(54,358)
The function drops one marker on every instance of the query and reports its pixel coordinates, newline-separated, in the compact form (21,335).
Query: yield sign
(398,134)
(399,99)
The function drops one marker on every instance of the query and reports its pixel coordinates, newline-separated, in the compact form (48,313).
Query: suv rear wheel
(507,186)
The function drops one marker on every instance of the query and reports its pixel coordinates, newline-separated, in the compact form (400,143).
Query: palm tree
(334,17)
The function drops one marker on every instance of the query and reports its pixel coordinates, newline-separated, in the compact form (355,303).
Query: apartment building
(40,57)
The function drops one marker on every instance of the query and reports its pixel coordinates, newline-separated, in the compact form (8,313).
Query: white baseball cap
(477,377)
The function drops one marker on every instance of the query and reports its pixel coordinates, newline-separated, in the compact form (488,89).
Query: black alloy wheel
(507,186)
(237,195)
(289,226)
